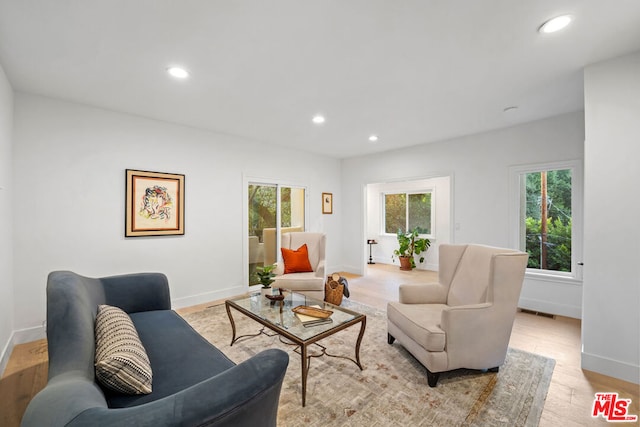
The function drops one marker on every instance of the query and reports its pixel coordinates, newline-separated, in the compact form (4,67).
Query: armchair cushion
(296,261)
(420,322)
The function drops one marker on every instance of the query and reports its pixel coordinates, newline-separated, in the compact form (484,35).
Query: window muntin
(407,211)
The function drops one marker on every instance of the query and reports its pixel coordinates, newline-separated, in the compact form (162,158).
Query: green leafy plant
(411,244)
(266,275)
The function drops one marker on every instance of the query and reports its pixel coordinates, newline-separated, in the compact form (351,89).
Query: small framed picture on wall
(154,204)
(327,203)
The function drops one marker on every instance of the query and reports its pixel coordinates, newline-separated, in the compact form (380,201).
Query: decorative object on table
(266,275)
(312,311)
(335,288)
(327,203)
(154,204)
(410,244)
(371,242)
(309,321)
(276,297)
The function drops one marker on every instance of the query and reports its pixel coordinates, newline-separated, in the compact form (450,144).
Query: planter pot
(266,291)
(405,263)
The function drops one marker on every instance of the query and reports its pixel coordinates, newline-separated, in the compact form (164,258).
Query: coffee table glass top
(279,313)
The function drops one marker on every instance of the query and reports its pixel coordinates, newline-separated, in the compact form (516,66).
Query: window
(547,217)
(407,211)
(272,209)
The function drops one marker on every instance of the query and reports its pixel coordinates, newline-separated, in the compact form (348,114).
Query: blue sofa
(194,383)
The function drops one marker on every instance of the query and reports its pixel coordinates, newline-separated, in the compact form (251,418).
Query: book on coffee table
(308,321)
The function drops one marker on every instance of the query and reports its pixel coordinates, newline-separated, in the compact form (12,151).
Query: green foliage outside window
(418,206)
(557,242)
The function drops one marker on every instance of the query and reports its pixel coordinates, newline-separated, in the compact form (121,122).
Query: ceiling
(410,71)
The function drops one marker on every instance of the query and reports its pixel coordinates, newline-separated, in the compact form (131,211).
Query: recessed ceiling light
(555,24)
(373,138)
(178,72)
(318,119)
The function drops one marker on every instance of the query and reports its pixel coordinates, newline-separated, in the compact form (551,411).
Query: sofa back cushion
(471,279)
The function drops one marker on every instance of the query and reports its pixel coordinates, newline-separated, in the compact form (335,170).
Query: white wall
(6,242)
(611,320)
(69,163)
(388,243)
(479,166)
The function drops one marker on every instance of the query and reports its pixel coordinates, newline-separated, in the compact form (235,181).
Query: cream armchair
(465,320)
(309,283)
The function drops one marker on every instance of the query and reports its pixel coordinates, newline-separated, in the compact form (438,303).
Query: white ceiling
(410,71)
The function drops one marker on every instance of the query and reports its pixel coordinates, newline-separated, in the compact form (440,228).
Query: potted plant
(410,244)
(265,273)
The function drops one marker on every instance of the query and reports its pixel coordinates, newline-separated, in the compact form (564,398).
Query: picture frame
(327,203)
(154,203)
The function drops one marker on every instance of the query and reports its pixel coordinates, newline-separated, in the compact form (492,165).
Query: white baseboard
(208,296)
(612,368)
(6,353)
(551,307)
(20,336)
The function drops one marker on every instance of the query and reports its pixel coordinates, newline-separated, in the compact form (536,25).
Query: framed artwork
(327,203)
(154,204)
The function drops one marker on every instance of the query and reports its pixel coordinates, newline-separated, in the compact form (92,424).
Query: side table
(371,242)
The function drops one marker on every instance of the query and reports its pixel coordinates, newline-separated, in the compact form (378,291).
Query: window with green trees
(408,211)
(547,219)
(272,210)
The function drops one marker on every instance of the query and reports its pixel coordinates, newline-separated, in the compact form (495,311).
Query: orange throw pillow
(296,261)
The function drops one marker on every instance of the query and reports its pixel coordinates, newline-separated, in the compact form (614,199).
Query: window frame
(383,207)
(518,213)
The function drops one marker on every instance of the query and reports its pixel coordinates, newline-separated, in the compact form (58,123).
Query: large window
(546,220)
(408,211)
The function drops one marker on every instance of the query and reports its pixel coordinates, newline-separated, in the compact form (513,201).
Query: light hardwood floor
(569,400)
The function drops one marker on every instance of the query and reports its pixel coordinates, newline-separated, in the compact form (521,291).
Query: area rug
(392,389)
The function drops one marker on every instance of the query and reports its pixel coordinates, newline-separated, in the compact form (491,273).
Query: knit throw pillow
(121,360)
(296,261)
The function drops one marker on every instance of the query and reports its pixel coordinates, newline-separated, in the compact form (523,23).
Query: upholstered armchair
(465,320)
(311,282)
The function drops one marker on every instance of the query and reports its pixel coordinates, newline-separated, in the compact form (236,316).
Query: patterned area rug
(392,389)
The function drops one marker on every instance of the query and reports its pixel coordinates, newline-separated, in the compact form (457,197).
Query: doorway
(440,213)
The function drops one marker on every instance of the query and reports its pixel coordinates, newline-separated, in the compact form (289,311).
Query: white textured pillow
(121,360)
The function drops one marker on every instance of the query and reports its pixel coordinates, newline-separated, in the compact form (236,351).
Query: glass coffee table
(279,317)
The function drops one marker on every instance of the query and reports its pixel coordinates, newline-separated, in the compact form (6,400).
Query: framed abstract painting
(154,204)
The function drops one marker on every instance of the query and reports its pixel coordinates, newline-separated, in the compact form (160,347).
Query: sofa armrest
(423,293)
(138,292)
(245,395)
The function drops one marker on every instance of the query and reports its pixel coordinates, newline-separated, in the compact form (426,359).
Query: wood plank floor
(569,400)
